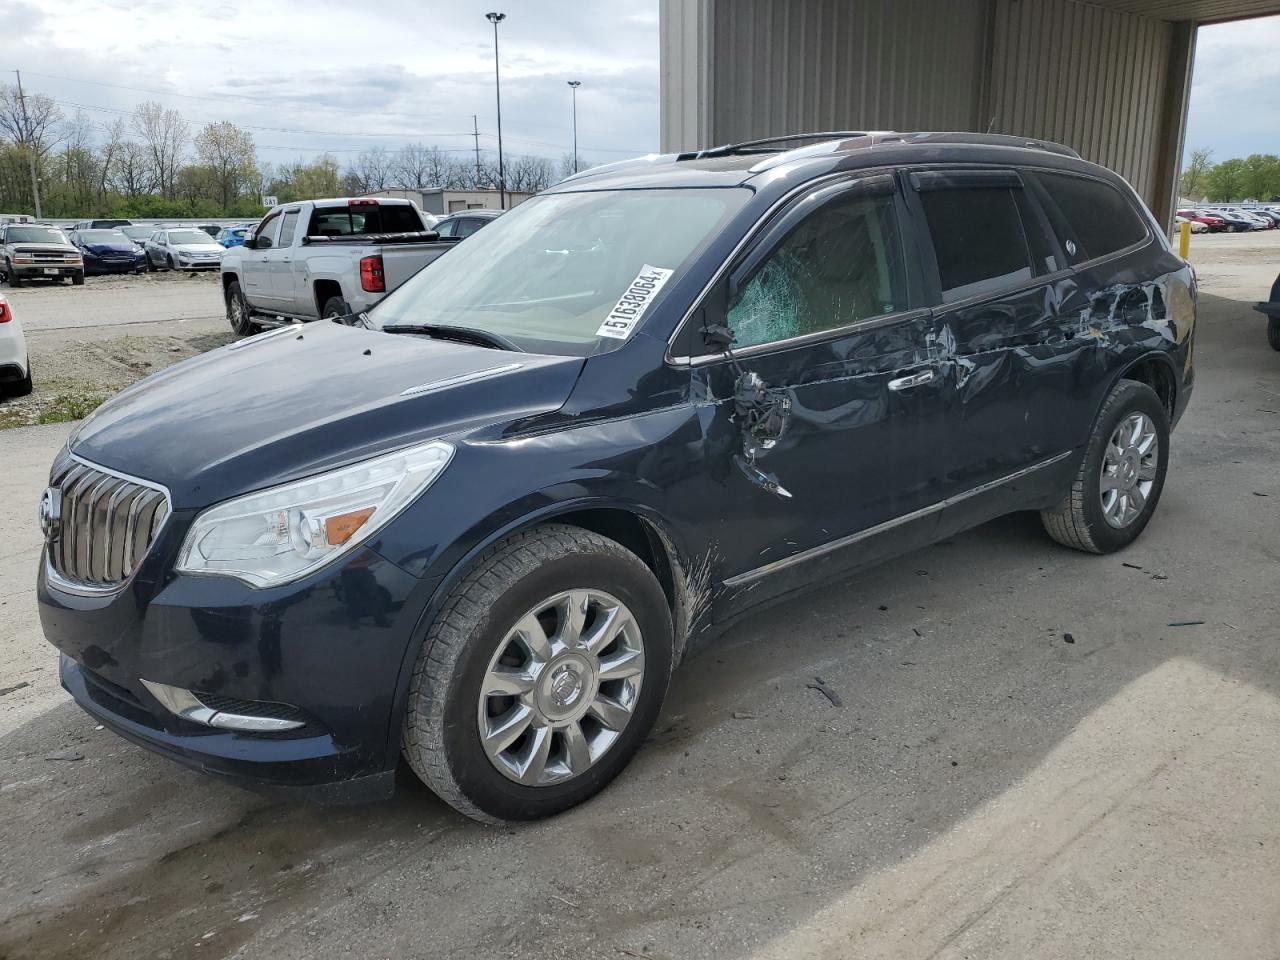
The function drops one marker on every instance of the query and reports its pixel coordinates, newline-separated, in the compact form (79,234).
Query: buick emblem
(50,514)
(565,687)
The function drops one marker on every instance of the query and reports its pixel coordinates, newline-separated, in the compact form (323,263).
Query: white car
(1196,225)
(15,364)
(183,248)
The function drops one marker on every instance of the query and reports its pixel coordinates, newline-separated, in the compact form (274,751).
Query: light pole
(574,85)
(495,19)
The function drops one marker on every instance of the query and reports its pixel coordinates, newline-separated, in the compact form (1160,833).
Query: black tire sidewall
(235,294)
(1273,332)
(342,308)
(471,768)
(1136,397)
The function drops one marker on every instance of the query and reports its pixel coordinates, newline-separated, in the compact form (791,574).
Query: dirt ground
(988,789)
(87,343)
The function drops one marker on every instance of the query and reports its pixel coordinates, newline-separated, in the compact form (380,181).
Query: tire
(151,264)
(23,387)
(77,280)
(334,307)
(168,261)
(10,275)
(239,314)
(1273,332)
(1079,519)
(442,725)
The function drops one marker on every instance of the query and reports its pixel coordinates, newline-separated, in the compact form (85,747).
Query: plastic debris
(1186,623)
(68,755)
(1068,638)
(820,685)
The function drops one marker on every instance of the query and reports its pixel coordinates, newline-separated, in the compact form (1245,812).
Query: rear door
(1004,299)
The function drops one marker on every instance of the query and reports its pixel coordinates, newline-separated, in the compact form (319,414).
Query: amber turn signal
(340,529)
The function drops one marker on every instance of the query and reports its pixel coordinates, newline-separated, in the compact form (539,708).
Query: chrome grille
(108,524)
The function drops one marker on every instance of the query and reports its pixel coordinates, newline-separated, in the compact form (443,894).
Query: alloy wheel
(1129,467)
(561,687)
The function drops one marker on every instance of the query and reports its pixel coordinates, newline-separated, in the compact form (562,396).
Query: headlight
(278,535)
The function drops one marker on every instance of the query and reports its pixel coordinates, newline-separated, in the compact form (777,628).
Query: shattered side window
(842,264)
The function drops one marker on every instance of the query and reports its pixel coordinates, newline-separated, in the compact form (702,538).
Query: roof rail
(750,146)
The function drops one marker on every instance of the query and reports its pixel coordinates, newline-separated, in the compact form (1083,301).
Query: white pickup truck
(325,258)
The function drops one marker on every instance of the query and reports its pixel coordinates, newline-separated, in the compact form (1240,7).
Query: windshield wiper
(443,331)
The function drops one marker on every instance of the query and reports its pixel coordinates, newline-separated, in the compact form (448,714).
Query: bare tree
(131,173)
(371,171)
(109,152)
(228,154)
(39,125)
(165,135)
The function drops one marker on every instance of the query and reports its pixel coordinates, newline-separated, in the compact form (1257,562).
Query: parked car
(232,236)
(1196,225)
(29,252)
(1271,215)
(1213,223)
(1271,310)
(480,524)
(1259,221)
(108,251)
(464,223)
(1237,222)
(15,362)
(183,248)
(324,258)
(102,224)
(137,233)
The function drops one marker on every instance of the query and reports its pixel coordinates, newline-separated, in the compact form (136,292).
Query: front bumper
(96,265)
(198,265)
(331,647)
(49,271)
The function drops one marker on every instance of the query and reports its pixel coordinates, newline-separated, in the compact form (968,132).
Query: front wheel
(1273,332)
(1118,485)
(238,313)
(77,280)
(168,262)
(540,677)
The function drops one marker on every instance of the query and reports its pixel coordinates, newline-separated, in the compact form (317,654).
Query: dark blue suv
(478,526)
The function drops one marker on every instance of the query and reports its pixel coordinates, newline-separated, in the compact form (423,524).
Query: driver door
(843,378)
(255,264)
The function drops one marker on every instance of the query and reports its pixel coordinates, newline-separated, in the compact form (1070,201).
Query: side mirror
(251,243)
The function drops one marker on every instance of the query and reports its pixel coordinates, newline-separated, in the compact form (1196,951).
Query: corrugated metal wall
(782,66)
(1092,78)
(685,71)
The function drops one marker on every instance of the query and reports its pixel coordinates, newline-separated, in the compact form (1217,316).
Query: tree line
(154,163)
(1255,177)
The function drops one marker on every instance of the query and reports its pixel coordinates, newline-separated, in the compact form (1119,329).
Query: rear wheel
(334,307)
(239,315)
(23,387)
(540,677)
(1118,485)
(1273,333)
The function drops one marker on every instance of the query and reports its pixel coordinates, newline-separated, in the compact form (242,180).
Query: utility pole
(475,126)
(29,141)
(495,19)
(574,85)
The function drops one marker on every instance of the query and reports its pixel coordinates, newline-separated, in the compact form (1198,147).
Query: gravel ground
(89,342)
(988,789)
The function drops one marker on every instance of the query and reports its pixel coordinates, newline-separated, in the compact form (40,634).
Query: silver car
(183,248)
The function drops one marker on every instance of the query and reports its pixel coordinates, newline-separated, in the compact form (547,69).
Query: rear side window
(286,231)
(348,221)
(1101,217)
(841,264)
(469,225)
(977,238)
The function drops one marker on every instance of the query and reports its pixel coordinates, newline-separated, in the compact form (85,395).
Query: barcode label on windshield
(622,319)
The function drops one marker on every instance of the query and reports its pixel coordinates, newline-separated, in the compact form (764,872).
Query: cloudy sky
(312,75)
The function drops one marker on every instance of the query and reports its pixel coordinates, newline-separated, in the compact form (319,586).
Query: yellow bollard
(1184,241)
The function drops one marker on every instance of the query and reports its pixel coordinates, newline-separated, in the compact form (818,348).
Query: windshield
(137,233)
(548,274)
(197,237)
(35,235)
(103,236)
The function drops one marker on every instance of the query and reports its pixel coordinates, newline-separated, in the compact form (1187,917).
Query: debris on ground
(1186,623)
(1131,566)
(1068,638)
(817,683)
(16,686)
(1159,576)
(744,715)
(1257,494)
(916,632)
(68,755)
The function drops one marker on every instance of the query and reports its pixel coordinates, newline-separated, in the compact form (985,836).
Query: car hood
(126,246)
(299,400)
(22,247)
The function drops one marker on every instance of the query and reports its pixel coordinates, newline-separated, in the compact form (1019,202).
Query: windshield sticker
(622,319)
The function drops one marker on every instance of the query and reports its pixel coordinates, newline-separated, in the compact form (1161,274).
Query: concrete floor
(987,789)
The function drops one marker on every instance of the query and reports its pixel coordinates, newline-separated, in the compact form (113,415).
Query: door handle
(913,380)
